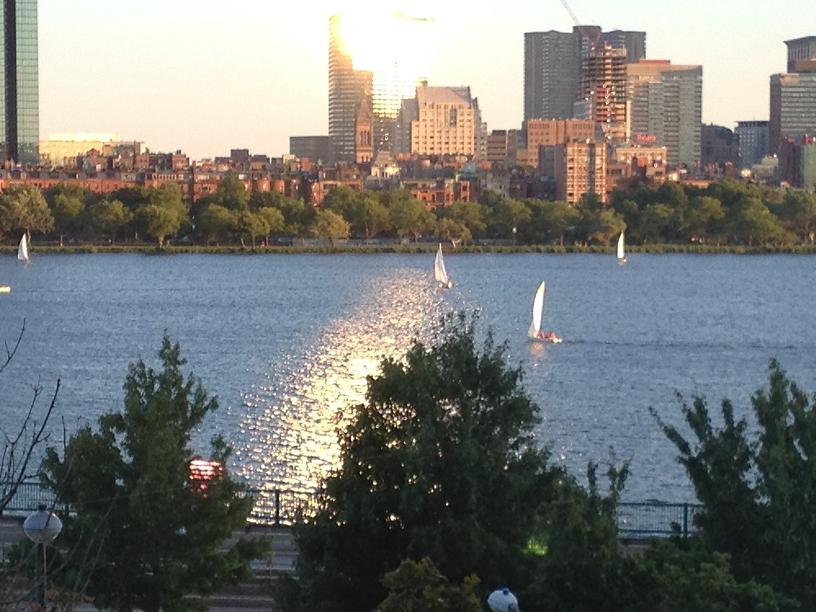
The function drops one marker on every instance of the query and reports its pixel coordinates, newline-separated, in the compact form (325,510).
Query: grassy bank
(421,248)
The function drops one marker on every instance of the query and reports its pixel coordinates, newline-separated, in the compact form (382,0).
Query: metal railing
(656,519)
(282,507)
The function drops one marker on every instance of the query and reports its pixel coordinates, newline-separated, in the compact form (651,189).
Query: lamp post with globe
(42,527)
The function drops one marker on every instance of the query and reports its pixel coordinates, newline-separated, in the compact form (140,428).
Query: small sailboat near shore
(22,250)
(440,273)
(622,259)
(535,333)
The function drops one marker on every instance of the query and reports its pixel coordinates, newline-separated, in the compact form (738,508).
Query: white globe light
(42,527)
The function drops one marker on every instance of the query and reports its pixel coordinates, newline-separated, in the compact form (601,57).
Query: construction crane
(592,36)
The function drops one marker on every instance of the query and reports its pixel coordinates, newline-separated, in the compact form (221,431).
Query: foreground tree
(162,530)
(419,587)
(440,463)
(758,489)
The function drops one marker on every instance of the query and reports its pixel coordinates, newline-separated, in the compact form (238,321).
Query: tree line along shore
(729,216)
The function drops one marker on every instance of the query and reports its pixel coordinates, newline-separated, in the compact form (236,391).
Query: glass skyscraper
(20,94)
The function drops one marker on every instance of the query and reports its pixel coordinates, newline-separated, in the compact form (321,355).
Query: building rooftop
(443,95)
(799,41)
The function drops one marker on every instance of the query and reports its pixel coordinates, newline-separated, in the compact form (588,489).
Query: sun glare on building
(389,53)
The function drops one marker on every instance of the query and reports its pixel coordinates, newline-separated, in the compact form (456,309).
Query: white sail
(22,250)
(621,249)
(440,274)
(538,311)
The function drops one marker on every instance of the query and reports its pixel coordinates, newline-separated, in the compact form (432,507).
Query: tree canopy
(158,531)
(757,485)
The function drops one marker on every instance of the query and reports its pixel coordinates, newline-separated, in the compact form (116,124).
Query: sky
(205,76)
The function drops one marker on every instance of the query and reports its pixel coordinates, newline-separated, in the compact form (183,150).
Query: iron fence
(282,507)
(656,519)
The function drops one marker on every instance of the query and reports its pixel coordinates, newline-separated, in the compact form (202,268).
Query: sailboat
(621,250)
(535,333)
(22,250)
(440,274)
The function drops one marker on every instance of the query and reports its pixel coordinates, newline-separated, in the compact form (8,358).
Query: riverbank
(318,248)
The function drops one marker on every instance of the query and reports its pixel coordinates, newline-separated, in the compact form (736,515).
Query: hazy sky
(207,75)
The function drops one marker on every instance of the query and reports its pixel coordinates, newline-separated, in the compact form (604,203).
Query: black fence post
(277,507)
(685,520)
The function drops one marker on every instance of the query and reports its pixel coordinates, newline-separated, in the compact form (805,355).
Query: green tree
(509,214)
(67,212)
(599,225)
(757,484)
(340,199)
(440,462)
(250,224)
(159,531)
(450,230)
(67,204)
(108,218)
(702,217)
(160,222)
(408,216)
(24,209)
(216,223)
(330,226)
(470,215)
(417,586)
(297,216)
(232,193)
(275,222)
(657,223)
(550,221)
(752,222)
(799,212)
(367,215)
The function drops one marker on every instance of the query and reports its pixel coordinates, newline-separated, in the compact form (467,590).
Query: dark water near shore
(286,341)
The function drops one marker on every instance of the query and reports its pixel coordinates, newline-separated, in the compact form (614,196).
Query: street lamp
(42,527)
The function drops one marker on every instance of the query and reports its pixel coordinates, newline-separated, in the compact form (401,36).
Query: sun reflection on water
(290,420)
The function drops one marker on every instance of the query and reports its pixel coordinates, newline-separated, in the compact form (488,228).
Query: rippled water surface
(286,342)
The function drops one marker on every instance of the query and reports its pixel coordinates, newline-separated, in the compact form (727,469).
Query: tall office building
(349,90)
(553,66)
(793,107)
(19,96)
(373,66)
(753,141)
(793,95)
(666,108)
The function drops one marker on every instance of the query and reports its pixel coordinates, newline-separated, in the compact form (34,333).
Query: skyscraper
(374,64)
(603,91)
(19,96)
(553,66)
(793,95)
(349,91)
(666,107)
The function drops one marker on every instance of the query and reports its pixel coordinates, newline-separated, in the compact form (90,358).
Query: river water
(286,342)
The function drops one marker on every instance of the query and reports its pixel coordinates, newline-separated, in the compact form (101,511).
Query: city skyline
(210,79)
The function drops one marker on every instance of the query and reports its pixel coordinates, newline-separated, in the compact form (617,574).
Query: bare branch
(10,352)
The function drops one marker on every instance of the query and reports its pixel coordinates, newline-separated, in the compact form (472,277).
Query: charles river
(286,342)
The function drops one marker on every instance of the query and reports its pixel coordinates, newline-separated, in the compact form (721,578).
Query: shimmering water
(287,341)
